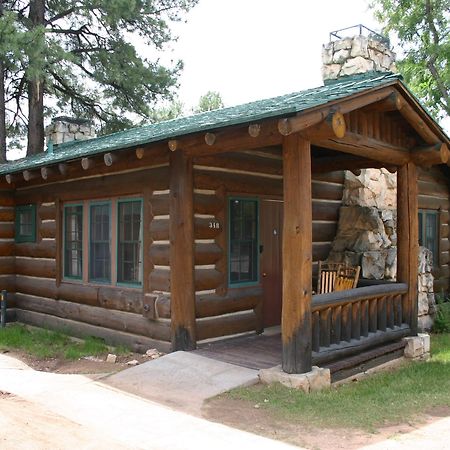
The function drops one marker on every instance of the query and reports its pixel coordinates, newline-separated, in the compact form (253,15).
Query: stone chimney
(364,52)
(67,129)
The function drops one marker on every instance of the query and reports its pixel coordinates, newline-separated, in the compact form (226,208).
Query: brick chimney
(364,52)
(66,129)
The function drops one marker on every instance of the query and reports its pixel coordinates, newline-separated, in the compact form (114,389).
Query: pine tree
(84,58)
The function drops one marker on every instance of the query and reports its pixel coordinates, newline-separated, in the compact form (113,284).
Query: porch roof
(250,112)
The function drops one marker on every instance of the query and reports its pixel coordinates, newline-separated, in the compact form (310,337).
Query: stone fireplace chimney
(367,51)
(66,129)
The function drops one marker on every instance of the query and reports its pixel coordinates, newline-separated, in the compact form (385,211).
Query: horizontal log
(119,298)
(242,162)
(36,267)
(203,204)
(237,182)
(116,320)
(432,174)
(226,325)
(7,265)
(355,346)
(428,202)
(47,229)
(112,337)
(6,230)
(40,287)
(7,214)
(209,305)
(335,176)
(327,191)
(43,249)
(159,229)
(78,293)
(205,279)
(340,298)
(325,211)
(204,230)
(7,198)
(47,212)
(92,188)
(8,283)
(434,188)
(203,253)
(429,156)
(7,248)
(320,251)
(159,280)
(324,231)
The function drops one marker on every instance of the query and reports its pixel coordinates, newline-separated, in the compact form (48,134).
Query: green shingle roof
(249,112)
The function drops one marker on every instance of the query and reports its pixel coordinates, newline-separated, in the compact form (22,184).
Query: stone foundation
(427,304)
(417,347)
(315,380)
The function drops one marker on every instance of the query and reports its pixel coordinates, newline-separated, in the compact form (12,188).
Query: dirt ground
(243,415)
(86,366)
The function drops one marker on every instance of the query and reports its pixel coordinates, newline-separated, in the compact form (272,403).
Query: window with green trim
(129,242)
(25,223)
(100,242)
(429,232)
(73,241)
(243,241)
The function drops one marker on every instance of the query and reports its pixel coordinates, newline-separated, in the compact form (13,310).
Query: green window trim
(238,243)
(80,250)
(92,269)
(25,223)
(120,263)
(429,235)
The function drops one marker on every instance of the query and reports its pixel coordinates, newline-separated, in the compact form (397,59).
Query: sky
(253,49)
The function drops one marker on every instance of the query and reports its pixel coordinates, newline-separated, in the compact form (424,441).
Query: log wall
(434,194)
(44,298)
(7,260)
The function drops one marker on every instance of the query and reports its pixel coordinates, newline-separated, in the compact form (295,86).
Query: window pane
(243,251)
(431,234)
(73,241)
(129,262)
(25,223)
(100,248)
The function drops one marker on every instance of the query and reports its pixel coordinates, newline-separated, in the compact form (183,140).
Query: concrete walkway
(183,380)
(120,419)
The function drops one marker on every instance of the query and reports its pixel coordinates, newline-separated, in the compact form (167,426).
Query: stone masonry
(367,235)
(353,55)
(66,129)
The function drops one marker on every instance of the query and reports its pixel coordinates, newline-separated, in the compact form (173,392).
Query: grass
(385,398)
(41,343)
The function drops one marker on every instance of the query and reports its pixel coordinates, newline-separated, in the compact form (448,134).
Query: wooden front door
(271,225)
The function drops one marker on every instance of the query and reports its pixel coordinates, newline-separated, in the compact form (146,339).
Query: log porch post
(408,240)
(297,255)
(182,288)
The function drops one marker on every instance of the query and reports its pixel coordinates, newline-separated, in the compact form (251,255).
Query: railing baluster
(336,320)
(373,315)
(390,311)
(346,330)
(316,331)
(325,327)
(356,320)
(365,318)
(398,310)
(382,313)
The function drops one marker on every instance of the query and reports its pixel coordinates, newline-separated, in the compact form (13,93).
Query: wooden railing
(345,322)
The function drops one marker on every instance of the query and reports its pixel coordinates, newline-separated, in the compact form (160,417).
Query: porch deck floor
(259,351)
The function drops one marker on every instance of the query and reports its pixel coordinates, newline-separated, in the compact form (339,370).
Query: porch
(351,331)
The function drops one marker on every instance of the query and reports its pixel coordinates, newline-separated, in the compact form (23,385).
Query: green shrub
(442,318)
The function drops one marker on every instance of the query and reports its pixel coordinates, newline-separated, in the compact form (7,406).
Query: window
(429,232)
(25,223)
(129,264)
(103,241)
(73,241)
(100,242)
(243,241)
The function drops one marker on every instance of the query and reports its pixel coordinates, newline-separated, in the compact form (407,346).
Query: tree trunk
(2,106)
(36,91)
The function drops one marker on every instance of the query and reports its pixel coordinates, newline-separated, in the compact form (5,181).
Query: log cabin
(212,225)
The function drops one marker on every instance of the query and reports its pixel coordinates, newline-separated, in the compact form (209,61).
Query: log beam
(431,155)
(29,175)
(182,286)
(254,129)
(110,158)
(87,163)
(366,147)
(297,256)
(305,120)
